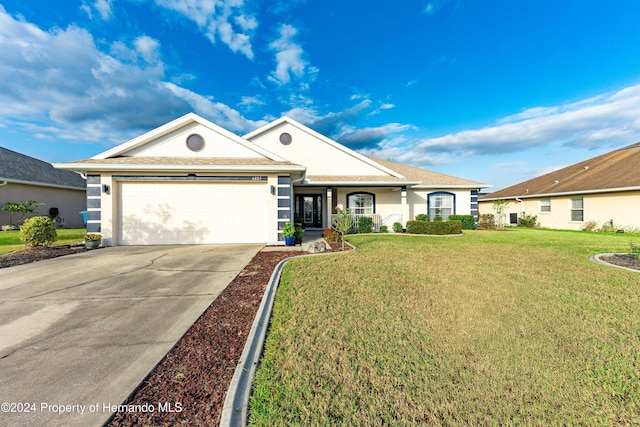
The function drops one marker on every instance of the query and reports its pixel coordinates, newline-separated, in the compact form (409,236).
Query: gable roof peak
(306,129)
(176,124)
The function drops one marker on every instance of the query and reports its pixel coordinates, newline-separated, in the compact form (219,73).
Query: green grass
(10,240)
(491,328)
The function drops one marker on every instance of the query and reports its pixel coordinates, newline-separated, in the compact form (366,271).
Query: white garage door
(153,213)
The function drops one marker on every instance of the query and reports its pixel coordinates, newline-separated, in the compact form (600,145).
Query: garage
(178,212)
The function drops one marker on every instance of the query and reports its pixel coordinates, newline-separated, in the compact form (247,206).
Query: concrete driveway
(80,332)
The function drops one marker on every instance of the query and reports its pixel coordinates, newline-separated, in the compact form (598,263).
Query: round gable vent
(195,142)
(285,138)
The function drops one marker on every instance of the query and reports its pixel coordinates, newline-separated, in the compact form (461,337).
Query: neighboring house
(191,181)
(604,189)
(24,178)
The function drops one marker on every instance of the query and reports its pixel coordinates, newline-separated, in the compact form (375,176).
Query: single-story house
(604,189)
(23,178)
(191,181)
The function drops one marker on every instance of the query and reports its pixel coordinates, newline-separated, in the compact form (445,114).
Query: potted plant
(288,232)
(92,240)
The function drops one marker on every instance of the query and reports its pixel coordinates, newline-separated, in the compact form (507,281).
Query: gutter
(565,193)
(41,184)
(102,167)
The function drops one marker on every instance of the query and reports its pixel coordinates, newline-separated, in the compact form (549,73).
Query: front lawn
(10,240)
(492,328)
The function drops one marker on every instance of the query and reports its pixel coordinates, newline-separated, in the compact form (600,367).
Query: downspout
(521,202)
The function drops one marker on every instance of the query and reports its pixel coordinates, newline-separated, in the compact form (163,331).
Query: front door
(309,209)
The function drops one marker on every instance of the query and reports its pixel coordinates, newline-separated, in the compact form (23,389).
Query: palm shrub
(342,222)
(38,231)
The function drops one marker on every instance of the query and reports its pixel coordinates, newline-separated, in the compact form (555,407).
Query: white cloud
(103,7)
(604,119)
(248,103)
(224,20)
(59,84)
(289,61)
(148,48)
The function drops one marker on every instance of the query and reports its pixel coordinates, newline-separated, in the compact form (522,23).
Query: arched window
(361,203)
(441,204)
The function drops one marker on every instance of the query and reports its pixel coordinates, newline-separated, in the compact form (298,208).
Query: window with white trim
(361,203)
(440,204)
(577,209)
(545,205)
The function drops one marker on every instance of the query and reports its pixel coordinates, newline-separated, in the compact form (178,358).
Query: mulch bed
(622,260)
(38,253)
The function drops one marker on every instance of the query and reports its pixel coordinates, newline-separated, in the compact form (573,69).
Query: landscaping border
(598,258)
(236,403)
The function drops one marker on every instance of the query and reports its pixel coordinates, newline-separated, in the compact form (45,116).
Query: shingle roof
(18,167)
(427,177)
(618,169)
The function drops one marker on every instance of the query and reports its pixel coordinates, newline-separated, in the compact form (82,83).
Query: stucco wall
(68,202)
(622,208)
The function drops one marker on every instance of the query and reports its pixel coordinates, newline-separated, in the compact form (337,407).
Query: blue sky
(494,91)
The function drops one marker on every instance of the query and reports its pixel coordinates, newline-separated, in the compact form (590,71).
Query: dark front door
(309,209)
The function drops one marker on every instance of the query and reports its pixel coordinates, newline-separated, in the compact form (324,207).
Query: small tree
(23,208)
(500,207)
(342,222)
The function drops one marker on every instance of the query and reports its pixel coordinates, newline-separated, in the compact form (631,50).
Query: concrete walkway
(312,241)
(80,332)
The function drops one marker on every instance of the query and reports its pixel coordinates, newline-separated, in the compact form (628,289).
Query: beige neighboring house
(604,189)
(24,178)
(191,181)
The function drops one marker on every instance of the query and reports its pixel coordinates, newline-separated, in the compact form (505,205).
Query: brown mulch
(38,253)
(622,260)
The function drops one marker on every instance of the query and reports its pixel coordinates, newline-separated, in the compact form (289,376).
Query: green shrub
(38,231)
(384,229)
(297,234)
(397,227)
(468,221)
(435,227)
(487,221)
(418,227)
(422,217)
(437,218)
(528,220)
(365,224)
